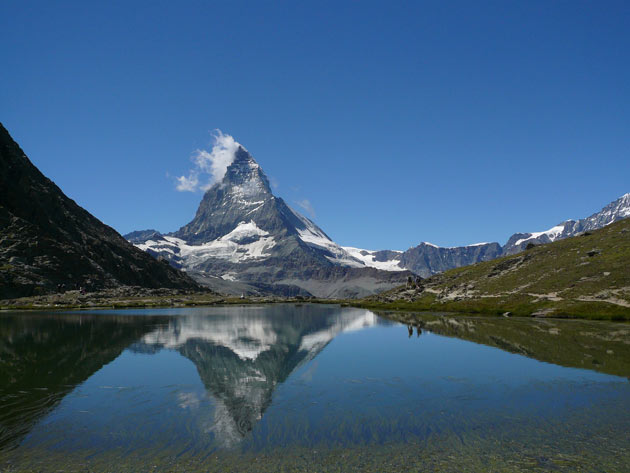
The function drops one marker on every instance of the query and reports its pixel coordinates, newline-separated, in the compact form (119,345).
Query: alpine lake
(311,388)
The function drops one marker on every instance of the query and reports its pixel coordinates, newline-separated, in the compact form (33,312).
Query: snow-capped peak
(370,258)
(553,234)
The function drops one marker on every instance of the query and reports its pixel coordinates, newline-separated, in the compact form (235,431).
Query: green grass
(553,278)
(98,301)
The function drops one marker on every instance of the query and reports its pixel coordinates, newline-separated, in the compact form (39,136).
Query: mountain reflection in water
(200,382)
(44,357)
(240,353)
(242,356)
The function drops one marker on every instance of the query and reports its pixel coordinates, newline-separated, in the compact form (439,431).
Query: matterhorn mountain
(243,239)
(427,259)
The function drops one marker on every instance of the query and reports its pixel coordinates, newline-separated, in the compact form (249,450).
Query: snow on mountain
(453,247)
(373,258)
(313,236)
(243,233)
(613,212)
(245,242)
(553,234)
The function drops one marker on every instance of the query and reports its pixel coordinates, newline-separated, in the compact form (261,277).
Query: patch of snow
(225,247)
(243,230)
(367,258)
(552,233)
(454,247)
(176,241)
(247,190)
(261,203)
(313,236)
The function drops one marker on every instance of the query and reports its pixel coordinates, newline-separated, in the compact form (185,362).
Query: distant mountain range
(427,259)
(46,239)
(244,239)
(586,276)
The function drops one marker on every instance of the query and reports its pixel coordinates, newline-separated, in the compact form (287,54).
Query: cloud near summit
(209,167)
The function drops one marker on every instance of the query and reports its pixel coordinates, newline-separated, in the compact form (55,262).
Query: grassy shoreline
(577,310)
(72,300)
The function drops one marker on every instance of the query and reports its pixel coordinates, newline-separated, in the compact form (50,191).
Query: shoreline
(161,298)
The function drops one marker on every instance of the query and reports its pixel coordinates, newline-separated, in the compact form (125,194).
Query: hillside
(428,259)
(583,276)
(46,239)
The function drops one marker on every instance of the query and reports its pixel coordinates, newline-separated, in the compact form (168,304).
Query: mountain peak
(625,199)
(243,236)
(245,173)
(242,195)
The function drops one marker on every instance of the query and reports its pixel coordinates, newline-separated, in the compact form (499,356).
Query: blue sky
(400,122)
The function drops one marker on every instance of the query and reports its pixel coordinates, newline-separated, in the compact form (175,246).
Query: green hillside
(584,276)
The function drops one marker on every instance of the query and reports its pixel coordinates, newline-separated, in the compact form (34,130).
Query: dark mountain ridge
(47,239)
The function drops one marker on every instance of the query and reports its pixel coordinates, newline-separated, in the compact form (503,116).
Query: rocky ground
(131,297)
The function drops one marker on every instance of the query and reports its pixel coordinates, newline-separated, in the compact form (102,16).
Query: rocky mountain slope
(245,239)
(427,259)
(47,239)
(586,276)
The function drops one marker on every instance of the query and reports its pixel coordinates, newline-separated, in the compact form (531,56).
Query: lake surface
(310,388)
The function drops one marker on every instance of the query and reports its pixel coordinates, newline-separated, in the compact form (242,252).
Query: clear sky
(400,122)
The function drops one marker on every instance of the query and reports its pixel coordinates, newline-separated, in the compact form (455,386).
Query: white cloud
(187,184)
(306,205)
(209,166)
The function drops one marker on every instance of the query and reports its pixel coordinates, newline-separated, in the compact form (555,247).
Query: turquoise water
(208,388)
